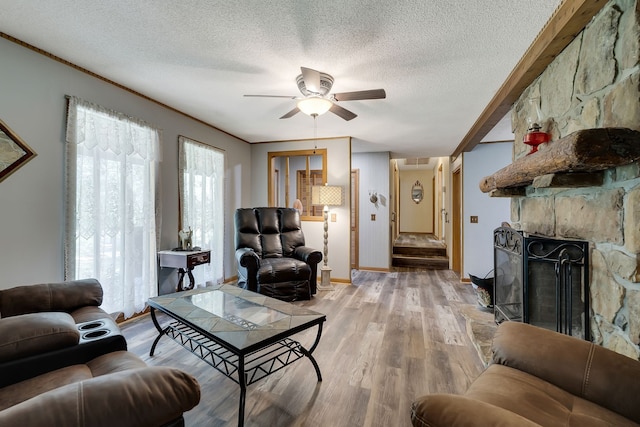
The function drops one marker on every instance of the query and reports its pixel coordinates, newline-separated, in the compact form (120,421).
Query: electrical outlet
(373,217)
(474,219)
(333,217)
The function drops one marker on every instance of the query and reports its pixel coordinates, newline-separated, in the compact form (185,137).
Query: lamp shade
(326,195)
(314,106)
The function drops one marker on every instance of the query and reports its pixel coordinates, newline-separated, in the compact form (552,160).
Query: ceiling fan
(316,100)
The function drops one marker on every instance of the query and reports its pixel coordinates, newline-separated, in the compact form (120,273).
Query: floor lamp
(326,195)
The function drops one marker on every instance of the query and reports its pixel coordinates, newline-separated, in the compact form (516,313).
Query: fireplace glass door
(541,281)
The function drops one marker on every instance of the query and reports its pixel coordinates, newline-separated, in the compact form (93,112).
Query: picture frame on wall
(14,152)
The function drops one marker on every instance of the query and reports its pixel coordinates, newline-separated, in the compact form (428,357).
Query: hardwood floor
(389,338)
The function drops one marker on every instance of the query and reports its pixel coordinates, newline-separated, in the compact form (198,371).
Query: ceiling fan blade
(342,112)
(311,79)
(272,96)
(291,113)
(359,95)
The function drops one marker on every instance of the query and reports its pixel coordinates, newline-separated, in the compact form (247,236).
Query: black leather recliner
(271,254)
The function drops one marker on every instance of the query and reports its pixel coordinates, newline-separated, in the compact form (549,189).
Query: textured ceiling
(439,61)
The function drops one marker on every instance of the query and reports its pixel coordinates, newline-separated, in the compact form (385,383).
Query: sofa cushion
(247,230)
(145,397)
(62,296)
(582,368)
(114,362)
(283,270)
(448,410)
(287,291)
(538,400)
(28,334)
(24,390)
(109,363)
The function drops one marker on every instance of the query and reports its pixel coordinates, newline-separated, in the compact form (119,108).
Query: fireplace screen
(541,281)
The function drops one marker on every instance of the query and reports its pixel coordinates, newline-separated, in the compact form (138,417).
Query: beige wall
(33,105)
(416,217)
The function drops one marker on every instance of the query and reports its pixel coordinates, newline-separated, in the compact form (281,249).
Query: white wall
(483,160)
(374,236)
(416,217)
(338,173)
(33,105)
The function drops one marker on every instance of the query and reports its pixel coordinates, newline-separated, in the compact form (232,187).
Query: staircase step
(419,251)
(433,263)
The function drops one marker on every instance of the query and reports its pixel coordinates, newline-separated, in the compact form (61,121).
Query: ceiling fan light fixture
(314,106)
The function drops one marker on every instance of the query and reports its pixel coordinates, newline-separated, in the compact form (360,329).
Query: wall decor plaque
(14,152)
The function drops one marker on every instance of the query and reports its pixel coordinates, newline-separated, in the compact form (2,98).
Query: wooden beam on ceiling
(569,19)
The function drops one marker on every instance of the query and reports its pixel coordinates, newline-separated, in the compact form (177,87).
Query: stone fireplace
(593,84)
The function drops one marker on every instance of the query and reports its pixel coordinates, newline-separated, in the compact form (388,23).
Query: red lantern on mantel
(535,136)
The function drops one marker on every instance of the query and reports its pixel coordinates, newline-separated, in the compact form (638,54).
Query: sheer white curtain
(201,172)
(111,204)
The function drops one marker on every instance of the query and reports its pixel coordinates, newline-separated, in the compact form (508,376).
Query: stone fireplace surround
(593,83)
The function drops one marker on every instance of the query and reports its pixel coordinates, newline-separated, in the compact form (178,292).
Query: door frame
(456,221)
(355,223)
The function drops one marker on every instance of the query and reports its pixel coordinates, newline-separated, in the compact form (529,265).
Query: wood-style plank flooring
(389,338)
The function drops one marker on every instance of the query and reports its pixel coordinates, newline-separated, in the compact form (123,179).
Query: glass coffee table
(242,334)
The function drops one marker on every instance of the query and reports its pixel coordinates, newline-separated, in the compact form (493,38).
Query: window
(304,185)
(201,185)
(111,204)
(291,186)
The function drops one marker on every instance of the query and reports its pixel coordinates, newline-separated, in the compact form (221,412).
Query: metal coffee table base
(244,369)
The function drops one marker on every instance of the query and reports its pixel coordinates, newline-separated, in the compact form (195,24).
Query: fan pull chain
(315,133)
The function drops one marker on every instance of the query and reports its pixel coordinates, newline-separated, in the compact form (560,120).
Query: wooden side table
(184,261)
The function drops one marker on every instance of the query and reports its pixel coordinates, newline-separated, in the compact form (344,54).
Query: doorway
(355,212)
(456,221)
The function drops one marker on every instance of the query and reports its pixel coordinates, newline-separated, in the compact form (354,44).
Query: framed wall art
(14,152)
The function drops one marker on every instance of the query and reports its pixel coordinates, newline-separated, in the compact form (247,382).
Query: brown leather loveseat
(63,362)
(541,378)
(271,254)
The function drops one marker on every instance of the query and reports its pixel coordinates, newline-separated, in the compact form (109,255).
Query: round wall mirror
(417,192)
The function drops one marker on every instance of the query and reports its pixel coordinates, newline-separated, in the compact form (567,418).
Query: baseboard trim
(337,280)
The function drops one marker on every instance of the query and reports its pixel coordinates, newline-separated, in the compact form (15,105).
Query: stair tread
(419,256)
(426,248)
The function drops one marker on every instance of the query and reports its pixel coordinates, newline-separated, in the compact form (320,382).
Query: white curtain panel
(201,172)
(111,227)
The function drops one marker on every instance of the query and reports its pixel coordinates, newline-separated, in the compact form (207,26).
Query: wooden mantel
(587,150)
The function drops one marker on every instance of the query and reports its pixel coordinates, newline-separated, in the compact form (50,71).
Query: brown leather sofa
(541,378)
(43,308)
(271,254)
(63,362)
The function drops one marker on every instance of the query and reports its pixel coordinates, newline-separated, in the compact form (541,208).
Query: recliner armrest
(248,259)
(580,367)
(62,296)
(309,255)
